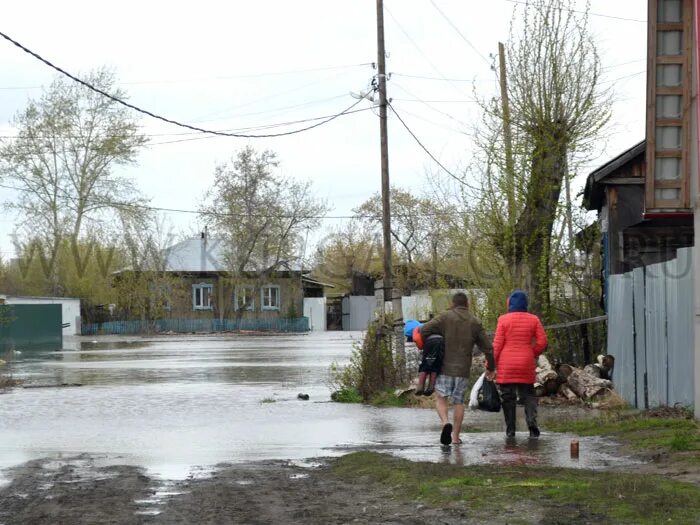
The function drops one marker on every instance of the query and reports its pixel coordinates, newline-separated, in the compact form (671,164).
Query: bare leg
(421,382)
(442,409)
(458,415)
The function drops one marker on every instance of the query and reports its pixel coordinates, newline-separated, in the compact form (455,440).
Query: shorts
(452,387)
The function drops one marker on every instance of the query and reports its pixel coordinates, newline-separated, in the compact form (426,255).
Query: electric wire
(488,62)
(427,151)
(356,216)
(199,137)
(525,3)
(418,48)
(159,117)
(216,78)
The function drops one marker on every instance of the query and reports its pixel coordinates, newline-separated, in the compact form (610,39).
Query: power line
(427,104)
(468,101)
(413,42)
(427,77)
(424,77)
(224,77)
(118,204)
(159,117)
(437,124)
(199,137)
(522,2)
(460,33)
(455,177)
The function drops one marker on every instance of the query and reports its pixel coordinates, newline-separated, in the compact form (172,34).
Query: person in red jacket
(519,339)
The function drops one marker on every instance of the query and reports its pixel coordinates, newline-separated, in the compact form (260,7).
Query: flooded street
(177,406)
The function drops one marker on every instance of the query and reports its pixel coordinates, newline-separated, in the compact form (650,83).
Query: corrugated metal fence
(300,324)
(650,332)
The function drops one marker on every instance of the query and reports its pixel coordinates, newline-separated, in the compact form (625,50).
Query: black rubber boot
(534,431)
(509,415)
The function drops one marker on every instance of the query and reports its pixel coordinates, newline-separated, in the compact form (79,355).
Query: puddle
(177,406)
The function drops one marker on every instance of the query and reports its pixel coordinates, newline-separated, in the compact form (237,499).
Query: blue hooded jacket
(517,302)
(410,326)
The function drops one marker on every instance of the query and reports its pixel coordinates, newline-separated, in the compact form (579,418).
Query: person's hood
(411,325)
(517,302)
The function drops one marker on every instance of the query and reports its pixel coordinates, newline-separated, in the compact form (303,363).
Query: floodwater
(182,404)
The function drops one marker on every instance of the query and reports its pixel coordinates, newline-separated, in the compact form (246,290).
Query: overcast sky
(237,64)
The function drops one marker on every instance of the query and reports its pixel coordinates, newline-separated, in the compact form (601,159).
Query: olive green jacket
(461,331)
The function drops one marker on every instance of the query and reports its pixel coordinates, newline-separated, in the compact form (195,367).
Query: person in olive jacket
(519,340)
(461,331)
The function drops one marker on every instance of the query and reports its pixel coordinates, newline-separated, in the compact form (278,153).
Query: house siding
(291,298)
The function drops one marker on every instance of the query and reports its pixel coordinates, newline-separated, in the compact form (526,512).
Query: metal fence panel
(358,311)
(640,348)
(680,308)
(621,335)
(656,334)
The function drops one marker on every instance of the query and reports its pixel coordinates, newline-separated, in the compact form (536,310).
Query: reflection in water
(172,403)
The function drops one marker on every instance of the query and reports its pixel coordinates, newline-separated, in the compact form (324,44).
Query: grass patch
(390,399)
(642,431)
(346,395)
(268,400)
(583,495)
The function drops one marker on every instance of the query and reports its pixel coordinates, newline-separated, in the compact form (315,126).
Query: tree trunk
(534,228)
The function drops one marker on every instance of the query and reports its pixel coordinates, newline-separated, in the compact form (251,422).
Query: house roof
(593,192)
(206,255)
(311,280)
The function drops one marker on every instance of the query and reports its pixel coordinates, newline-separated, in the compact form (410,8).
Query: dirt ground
(78,491)
(268,492)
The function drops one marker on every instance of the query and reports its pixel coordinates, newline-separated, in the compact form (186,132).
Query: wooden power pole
(508,142)
(389,293)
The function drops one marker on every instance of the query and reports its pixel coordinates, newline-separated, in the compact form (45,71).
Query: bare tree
(347,250)
(558,111)
(259,214)
(62,158)
(418,229)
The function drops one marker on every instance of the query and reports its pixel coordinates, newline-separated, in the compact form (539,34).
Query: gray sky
(236,64)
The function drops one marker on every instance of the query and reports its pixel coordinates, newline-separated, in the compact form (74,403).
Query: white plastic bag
(474,395)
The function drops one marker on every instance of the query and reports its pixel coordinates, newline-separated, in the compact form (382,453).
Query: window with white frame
(244,298)
(270,297)
(201,296)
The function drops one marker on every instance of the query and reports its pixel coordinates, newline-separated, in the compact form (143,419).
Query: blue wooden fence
(300,324)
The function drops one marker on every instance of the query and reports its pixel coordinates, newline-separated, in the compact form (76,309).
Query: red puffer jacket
(519,339)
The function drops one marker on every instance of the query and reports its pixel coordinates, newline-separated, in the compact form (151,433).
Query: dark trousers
(510,392)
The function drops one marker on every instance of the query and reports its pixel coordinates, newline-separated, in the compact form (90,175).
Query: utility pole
(508,140)
(389,293)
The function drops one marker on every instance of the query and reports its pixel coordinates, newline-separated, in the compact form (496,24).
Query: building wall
(291,300)
(70,309)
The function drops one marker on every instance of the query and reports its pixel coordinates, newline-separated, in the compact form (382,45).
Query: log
(549,379)
(594,370)
(540,390)
(585,385)
(565,371)
(565,391)
(546,376)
